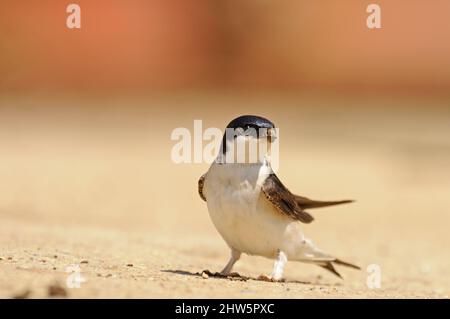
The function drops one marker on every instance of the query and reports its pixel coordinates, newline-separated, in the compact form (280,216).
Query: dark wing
(291,204)
(284,200)
(201,182)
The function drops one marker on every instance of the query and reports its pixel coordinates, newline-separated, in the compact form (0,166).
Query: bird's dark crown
(247,123)
(250,121)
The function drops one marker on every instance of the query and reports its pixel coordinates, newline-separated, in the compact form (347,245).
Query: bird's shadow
(206,274)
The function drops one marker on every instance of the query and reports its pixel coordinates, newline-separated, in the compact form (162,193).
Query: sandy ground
(98,191)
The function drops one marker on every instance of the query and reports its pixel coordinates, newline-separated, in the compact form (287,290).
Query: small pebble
(84,262)
(129,265)
(205,275)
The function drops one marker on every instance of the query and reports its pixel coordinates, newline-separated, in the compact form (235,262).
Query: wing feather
(284,200)
(201,182)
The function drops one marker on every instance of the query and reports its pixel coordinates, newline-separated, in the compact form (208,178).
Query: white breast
(243,216)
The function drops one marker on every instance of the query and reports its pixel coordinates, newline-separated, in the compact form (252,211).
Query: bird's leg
(235,255)
(278,266)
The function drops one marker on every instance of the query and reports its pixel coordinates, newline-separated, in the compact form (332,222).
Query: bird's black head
(249,126)
(251,121)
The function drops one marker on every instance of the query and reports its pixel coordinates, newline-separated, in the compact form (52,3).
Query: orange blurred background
(158,45)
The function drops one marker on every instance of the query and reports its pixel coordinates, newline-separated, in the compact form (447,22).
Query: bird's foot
(269,278)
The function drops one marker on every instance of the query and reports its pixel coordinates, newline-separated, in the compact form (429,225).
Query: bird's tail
(310,253)
(329,265)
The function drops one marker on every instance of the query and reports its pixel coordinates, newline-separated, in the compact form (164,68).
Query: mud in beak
(271,135)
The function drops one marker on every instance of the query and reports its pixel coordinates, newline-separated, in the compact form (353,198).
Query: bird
(252,209)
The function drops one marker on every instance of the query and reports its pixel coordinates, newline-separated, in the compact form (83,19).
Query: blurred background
(147,46)
(86,115)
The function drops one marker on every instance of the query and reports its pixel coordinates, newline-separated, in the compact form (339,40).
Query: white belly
(243,216)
